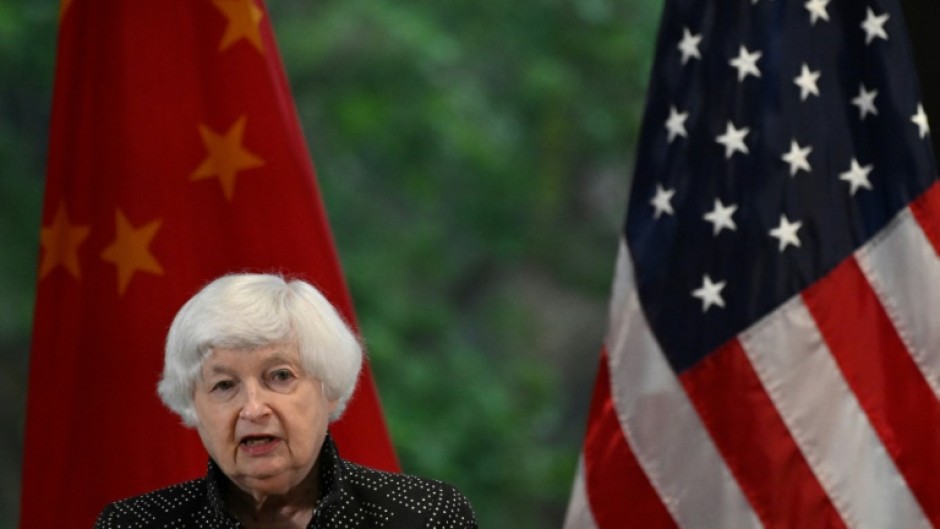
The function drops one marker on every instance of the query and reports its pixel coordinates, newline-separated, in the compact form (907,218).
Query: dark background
(923,20)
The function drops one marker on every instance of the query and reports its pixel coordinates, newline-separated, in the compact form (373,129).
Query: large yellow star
(130,250)
(226,156)
(243,18)
(60,241)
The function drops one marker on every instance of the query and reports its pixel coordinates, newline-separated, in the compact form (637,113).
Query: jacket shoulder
(402,497)
(156,508)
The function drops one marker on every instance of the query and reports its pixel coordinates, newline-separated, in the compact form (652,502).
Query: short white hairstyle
(248,311)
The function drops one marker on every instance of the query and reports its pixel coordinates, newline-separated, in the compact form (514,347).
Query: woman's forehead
(225,358)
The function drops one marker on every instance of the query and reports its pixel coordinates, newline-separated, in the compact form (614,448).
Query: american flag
(773,354)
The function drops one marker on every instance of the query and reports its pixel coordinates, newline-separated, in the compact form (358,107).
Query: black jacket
(352,496)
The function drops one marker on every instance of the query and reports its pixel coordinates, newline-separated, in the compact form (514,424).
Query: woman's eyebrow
(217,369)
(280,358)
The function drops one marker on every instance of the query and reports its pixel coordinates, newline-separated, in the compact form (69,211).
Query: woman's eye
(282,375)
(223,385)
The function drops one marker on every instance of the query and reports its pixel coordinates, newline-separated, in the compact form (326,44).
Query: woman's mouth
(258,445)
(251,441)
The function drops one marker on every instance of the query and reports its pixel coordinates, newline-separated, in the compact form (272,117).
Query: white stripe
(661,425)
(904,272)
(798,372)
(579,510)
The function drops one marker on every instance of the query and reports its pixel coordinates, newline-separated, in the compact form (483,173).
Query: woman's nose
(254,406)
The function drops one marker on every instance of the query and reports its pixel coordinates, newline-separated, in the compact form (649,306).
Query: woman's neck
(291,510)
(281,517)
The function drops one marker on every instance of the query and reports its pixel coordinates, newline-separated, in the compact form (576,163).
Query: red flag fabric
(175,156)
(773,358)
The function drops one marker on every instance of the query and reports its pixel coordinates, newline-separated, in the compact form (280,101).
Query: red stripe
(755,442)
(890,388)
(925,210)
(618,490)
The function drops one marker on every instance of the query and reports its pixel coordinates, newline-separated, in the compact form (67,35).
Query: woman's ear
(332,403)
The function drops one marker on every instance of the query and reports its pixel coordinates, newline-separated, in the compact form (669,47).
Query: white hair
(248,311)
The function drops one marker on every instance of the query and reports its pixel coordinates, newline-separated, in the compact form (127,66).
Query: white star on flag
(920,119)
(746,63)
(688,46)
(857,176)
(797,157)
(865,101)
(662,201)
(720,217)
(675,124)
(709,293)
(807,82)
(817,10)
(733,140)
(874,26)
(785,233)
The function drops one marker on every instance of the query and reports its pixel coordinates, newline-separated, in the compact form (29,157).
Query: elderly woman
(260,366)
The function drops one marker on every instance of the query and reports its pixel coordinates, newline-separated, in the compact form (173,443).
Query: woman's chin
(266,479)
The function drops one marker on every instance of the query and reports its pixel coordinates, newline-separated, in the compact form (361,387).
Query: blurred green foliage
(474,158)
(27,54)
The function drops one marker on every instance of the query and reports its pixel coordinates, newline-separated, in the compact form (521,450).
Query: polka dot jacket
(353,497)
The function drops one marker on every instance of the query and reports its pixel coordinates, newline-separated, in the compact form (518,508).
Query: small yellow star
(61,240)
(243,18)
(130,250)
(226,156)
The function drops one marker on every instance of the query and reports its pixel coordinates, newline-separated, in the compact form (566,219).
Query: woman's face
(261,417)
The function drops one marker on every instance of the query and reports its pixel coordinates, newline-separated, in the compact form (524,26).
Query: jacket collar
(328,466)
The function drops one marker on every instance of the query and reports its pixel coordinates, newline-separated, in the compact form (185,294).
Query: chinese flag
(175,156)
